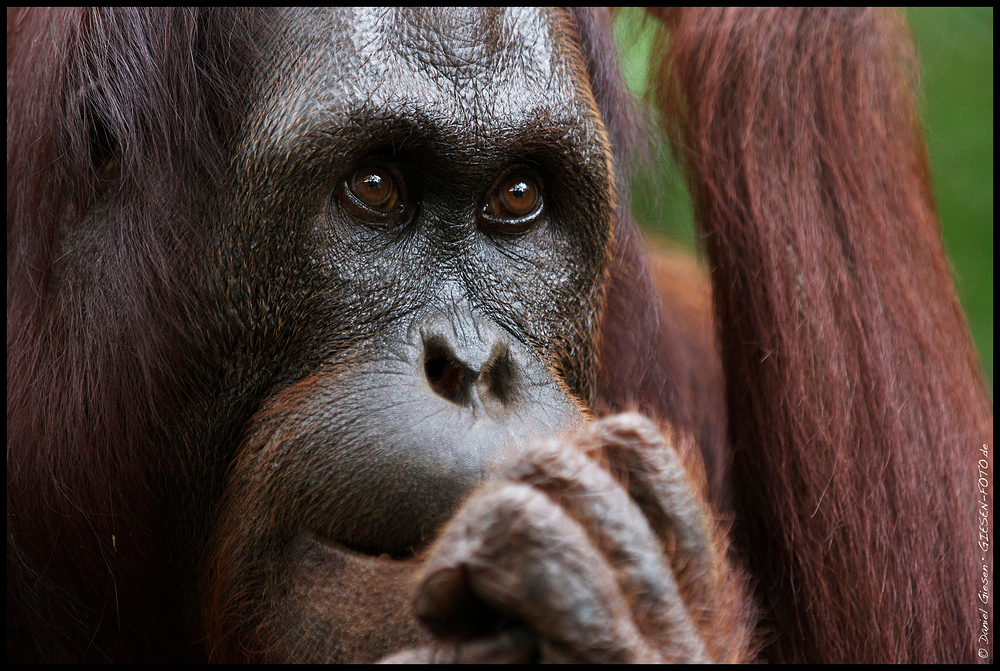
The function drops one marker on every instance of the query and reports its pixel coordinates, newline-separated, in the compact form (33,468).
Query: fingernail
(439,593)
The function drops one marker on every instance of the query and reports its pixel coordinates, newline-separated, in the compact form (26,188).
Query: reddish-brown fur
(845,436)
(856,406)
(82,418)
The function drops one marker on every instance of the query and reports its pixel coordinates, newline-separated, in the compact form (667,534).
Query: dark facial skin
(421,211)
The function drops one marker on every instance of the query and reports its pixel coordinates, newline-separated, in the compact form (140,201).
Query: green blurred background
(956,55)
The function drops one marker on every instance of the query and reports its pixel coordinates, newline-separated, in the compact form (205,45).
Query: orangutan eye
(514,203)
(373,194)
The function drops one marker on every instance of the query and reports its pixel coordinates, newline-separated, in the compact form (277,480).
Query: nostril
(499,378)
(447,376)
(471,376)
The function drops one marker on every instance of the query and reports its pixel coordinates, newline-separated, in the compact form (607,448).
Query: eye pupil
(373,186)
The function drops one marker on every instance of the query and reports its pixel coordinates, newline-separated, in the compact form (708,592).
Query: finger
(513,548)
(657,480)
(516,645)
(615,525)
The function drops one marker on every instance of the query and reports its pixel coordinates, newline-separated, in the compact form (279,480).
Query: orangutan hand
(592,548)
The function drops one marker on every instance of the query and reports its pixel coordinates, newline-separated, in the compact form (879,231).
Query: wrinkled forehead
(471,69)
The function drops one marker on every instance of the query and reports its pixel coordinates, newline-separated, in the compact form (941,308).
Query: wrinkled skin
(354,326)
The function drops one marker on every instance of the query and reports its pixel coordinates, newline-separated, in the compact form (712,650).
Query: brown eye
(517,199)
(372,193)
(375,188)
